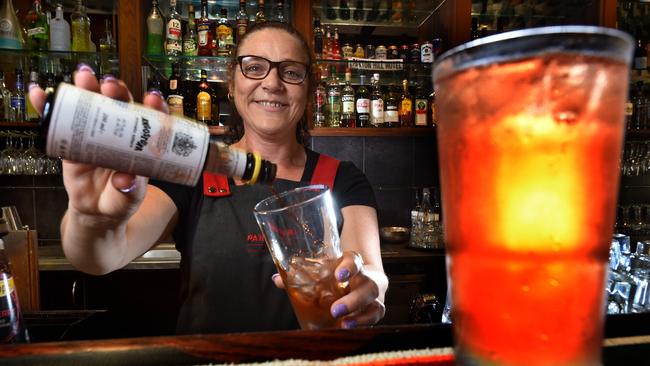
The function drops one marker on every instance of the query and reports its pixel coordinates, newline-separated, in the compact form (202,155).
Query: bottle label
(189,47)
(175,103)
(173,47)
(629,108)
(391,116)
(173,84)
(203,107)
(203,30)
(90,128)
(377,112)
(320,99)
(363,105)
(35,31)
(348,103)
(426,53)
(174,30)
(405,106)
(421,112)
(18,103)
(224,34)
(9,309)
(242,27)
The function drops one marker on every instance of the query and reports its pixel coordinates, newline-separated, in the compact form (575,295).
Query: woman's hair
(235,126)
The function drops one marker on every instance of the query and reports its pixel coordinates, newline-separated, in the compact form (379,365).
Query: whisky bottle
(421,108)
(391,109)
(203,30)
(348,117)
(320,102)
(376,103)
(190,46)
(260,16)
(242,20)
(12,325)
(174,97)
(318,39)
(173,34)
(175,149)
(37,29)
(155,29)
(406,106)
(225,35)
(204,100)
(333,101)
(363,103)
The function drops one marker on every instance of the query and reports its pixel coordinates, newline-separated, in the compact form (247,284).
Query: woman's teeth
(270,104)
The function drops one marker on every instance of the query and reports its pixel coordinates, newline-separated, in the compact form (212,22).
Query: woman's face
(270,106)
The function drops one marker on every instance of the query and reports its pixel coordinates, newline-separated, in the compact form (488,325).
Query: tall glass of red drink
(530,136)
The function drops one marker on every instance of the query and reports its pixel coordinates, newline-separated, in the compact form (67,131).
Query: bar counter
(627,344)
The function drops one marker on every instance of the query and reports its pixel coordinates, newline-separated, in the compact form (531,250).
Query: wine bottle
(12,325)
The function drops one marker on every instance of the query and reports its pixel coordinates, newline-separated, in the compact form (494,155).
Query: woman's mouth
(270,104)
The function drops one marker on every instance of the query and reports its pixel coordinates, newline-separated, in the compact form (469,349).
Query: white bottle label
(90,128)
(377,112)
(363,105)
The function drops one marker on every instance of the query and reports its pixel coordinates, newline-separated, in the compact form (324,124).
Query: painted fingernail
(85,67)
(108,79)
(350,323)
(156,92)
(339,310)
(31,86)
(275,275)
(128,189)
(343,275)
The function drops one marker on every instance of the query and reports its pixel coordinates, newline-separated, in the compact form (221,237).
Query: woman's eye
(254,68)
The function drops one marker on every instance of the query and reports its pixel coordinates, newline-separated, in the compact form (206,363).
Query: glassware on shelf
(11,35)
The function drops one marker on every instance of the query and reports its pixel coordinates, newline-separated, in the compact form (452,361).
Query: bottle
(318,39)
(279,12)
(5,99)
(391,109)
(640,56)
(204,100)
(475,32)
(416,212)
(11,35)
(333,101)
(336,46)
(225,35)
(327,44)
(260,17)
(188,91)
(140,140)
(359,13)
(242,20)
(81,29)
(421,108)
(107,49)
(203,26)
(348,116)
(320,102)
(12,325)
(31,115)
(190,47)
(37,29)
(174,97)
(396,8)
(376,103)
(362,103)
(59,31)
(427,220)
(344,10)
(50,83)
(639,108)
(331,13)
(18,99)
(173,33)
(406,106)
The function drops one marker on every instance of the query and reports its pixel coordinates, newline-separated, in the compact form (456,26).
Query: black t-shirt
(225,265)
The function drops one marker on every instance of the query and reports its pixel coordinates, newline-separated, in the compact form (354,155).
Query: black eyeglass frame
(273,64)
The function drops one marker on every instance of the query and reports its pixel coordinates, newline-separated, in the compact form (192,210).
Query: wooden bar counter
(627,343)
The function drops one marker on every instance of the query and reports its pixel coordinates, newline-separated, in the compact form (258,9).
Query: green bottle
(155,30)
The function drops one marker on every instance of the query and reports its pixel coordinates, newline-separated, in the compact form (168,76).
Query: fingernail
(339,310)
(128,189)
(85,67)
(343,275)
(31,86)
(108,78)
(350,323)
(275,275)
(156,92)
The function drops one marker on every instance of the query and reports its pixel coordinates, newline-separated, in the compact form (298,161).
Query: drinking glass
(530,143)
(299,227)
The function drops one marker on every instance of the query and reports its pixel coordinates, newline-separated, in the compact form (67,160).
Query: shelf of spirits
(215,66)
(373,132)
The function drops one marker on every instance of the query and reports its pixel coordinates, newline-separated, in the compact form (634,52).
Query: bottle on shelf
(173,32)
(640,56)
(107,48)
(344,10)
(50,83)
(348,116)
(397,11)
(31,115)
(362,103)
(333,100)
(17,113)
(260,16)
(59,31)
(336,46)
(204,100)
(320,101)
(318,39)
(37,28)
(81,29)
(406,106)
(327,44)
(225,35)
(279,12)
(155,29)
(391,109)
(12,325)
(190,46)
(174,97)
(421,108)
(329,10)
(176,149)
(639,108)
(11,35)
(359,13)
(203,30)
(242,20)
(376,103)
(5,99)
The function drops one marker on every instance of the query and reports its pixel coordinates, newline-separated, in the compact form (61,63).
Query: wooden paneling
(131,26)
(22,252)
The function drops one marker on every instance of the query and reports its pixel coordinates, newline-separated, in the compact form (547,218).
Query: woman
(228,275)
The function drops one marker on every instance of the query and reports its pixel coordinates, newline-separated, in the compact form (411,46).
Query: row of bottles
(426,226)
(42,32)
(201,36)
(382,11)
(377,106)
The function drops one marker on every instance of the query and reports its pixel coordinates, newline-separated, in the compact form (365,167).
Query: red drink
(529,175)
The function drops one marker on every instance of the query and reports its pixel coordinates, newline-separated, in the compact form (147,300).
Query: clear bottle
(348,115)
(320,101)
(406,106)
(107,49)
(318,39)
(279,12)
(11,35)
(362,104)
(416,230)
(336,46)
(175,148)
(327,44)
(225,35)
(81,29)
(427,220)
(190,46)
(31,115)
(242,20)
(204,31)
(174,97)
(12,325)
(155,30)
(173,32)
(333,100)
(18,99)
(204,100)
(5,99)
(391,109)
(59,31)
(260,16)
(376,103)
(37,29)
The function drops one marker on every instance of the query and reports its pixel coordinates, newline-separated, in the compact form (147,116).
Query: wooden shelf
(374,132)
(20,124)
(217,130)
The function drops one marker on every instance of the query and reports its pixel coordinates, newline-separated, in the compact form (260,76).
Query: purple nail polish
(350,323)
(343,275)
(275,275)
(129,189)
(339,310)
(31,86)
(108,78)
(85,67)
(156,92)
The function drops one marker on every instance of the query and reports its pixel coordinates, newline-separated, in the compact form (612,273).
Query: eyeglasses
(257,68)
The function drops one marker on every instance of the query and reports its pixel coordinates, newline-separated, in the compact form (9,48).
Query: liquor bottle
(363,103)
(37,29)
(174,97)
(475,32)
(59,31)
(190,47)
(214,108)
(5,99)
(260,16)
(81,29)
(107,49)
(344,10)
(242,20)
(204,100)
(421,108)
(18,99)
(640,108)
(173,33)
(391,109)
(203,26)
(397,12)
(373,14)
(225,35)
(376,103)
(433,116)
(348,116)
(176,149)
(12,325)
(327,44)
(359,14)
(50,83)
(336,46)
(406,106)
(329,8)
(155,29)
(279,12)
(31,114)
(11,35)
(320,102)
(333,101)
(640,56)
(318,39)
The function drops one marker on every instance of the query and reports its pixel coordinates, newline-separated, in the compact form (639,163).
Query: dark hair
(235,126)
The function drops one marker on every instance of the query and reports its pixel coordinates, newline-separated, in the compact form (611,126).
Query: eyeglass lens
(258,68)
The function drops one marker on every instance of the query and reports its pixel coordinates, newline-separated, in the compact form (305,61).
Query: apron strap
(215,185)
(325,171)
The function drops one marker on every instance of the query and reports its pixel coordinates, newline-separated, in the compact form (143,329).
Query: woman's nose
(272,81)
